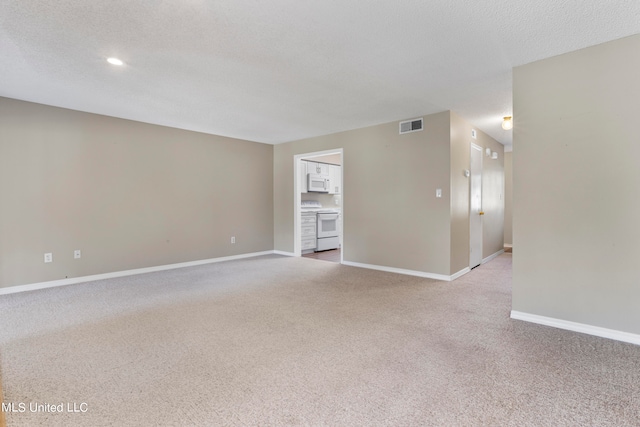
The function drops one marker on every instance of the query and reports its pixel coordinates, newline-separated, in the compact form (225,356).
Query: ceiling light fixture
(507,123)
(115,61)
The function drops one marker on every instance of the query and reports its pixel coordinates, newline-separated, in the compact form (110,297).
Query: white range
(327,229)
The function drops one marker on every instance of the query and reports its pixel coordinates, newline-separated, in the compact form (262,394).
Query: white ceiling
(282,70)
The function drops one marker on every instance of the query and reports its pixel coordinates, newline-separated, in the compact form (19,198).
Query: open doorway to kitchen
(318,205)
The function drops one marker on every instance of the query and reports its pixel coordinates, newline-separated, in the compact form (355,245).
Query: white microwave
(318,183)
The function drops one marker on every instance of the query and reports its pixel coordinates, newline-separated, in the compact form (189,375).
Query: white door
(475,207)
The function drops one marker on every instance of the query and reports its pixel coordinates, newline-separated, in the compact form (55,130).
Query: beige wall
(391,215)
(128,194)
(460,161)
(576,186)
(492,193)
(133,195)
(508,195)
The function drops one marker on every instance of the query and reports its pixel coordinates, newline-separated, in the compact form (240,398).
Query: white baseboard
(400,271)
(508,245)
(284,253)
(577,327)
(75,280)
(460,273)
(490,257)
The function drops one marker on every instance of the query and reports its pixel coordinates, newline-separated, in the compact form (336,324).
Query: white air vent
(413,125)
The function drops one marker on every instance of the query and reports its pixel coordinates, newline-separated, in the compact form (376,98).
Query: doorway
(317,204)
(475,207)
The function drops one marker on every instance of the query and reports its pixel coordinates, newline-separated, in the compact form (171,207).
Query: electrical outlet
(438,192)
(48,257)
(233,239)
(77,254)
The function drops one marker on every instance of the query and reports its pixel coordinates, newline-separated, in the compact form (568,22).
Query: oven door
(327,225)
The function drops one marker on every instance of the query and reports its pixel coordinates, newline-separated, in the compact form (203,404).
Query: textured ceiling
(282,70)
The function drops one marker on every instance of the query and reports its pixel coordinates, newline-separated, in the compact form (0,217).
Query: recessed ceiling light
(115,61)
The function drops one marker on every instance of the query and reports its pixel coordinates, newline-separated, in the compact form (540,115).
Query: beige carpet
(293,341)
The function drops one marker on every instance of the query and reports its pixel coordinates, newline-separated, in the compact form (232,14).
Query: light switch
(438,192)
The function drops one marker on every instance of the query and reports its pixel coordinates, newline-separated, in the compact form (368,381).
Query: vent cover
(412,125)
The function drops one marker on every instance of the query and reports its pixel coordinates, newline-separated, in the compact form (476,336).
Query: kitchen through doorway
(331,255)
(318,205)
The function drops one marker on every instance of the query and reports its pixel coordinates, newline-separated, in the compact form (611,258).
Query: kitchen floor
(332,255)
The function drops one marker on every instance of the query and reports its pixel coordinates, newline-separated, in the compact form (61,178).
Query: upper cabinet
(318,168)
(335,179)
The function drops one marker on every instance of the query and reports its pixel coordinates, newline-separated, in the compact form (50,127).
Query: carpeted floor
(292,341)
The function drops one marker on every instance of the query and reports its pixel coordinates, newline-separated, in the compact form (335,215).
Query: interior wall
(576,183)
(492,193)
(460,161)
(391,215)
(508,195)
(127,194)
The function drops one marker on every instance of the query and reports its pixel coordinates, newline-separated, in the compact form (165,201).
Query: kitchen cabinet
(335,177)
(308,226)
(318,168)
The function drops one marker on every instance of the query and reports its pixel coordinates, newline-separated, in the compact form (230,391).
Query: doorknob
(481,213)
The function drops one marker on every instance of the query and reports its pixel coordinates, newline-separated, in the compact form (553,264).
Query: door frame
(478,148)
(297,186)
